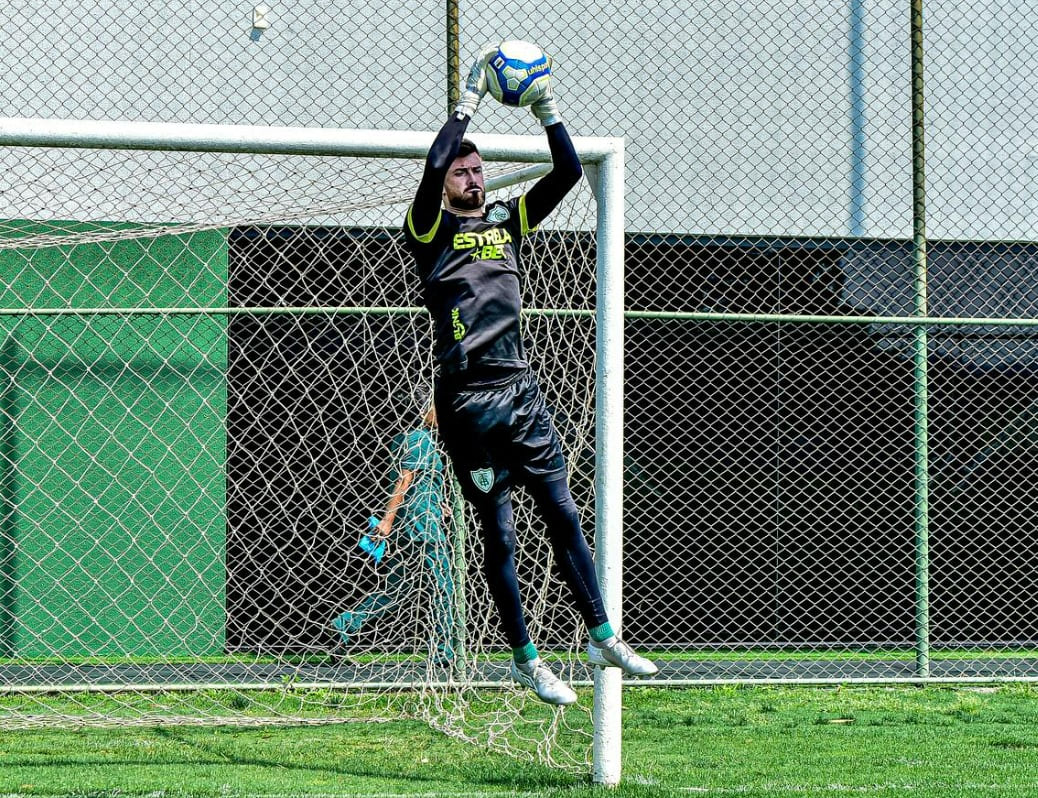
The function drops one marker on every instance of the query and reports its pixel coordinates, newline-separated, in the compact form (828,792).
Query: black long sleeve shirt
(469,266)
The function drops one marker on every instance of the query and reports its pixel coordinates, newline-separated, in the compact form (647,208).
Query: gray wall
(739,118)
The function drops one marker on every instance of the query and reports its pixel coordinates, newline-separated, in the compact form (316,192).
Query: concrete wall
(789,117)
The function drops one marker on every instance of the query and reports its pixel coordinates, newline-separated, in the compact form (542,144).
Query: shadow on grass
(356,758)
(416,755)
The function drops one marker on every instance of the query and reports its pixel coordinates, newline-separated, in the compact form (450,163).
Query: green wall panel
(112,438)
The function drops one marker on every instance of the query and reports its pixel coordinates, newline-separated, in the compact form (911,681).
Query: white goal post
(603,159)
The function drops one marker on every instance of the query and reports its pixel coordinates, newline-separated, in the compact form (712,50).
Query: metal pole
(453,56)
(9,458)
(459,621)
(920,360)
(609,420)
(856,48)
(274,140)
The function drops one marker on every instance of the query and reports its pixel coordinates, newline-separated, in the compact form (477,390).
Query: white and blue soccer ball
(518,73)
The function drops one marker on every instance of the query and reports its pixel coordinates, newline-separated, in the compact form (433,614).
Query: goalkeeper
(493,420)
(413,526)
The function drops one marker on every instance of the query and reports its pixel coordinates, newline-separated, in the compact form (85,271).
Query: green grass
(761,742)
(840,654)
(704,655)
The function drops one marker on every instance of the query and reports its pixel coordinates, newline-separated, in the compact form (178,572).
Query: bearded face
(463,187)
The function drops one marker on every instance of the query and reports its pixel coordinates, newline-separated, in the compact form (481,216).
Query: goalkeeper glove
(476,84)
(545,108)
(374,548)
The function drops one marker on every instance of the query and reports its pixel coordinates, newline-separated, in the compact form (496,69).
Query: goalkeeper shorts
(499,436)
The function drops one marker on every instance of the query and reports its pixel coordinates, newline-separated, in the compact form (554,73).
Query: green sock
(524,654)
(600,633)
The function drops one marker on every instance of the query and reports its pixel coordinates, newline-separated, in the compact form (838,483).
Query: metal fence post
(920,360)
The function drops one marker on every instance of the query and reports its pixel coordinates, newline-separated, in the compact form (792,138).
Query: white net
(208,361)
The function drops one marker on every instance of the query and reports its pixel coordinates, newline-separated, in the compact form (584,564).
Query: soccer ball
(518,73)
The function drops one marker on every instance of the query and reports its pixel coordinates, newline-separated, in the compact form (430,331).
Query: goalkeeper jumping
(493,420)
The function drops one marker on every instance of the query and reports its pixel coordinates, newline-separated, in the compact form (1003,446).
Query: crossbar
(275,140)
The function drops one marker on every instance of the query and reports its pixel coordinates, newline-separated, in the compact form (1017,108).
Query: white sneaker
(539,678)
(615,652)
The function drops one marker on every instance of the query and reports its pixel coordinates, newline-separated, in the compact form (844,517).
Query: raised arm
(425,209)
(547,193)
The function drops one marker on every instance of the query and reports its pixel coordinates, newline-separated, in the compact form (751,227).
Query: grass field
(753,741)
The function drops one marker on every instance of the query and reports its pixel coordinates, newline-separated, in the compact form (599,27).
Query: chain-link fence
(831,284)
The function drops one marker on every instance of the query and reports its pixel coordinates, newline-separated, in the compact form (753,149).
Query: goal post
(157,227)
(607,176)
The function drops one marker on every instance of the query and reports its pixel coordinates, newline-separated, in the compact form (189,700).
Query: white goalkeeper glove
(476,84)
(546,109)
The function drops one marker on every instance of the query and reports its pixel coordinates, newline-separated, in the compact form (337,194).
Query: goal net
(209,361)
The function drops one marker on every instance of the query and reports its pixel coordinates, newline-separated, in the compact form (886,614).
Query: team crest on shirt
(483,478)
(497,214)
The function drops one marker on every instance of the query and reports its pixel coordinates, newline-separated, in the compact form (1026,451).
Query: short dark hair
(467,148)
